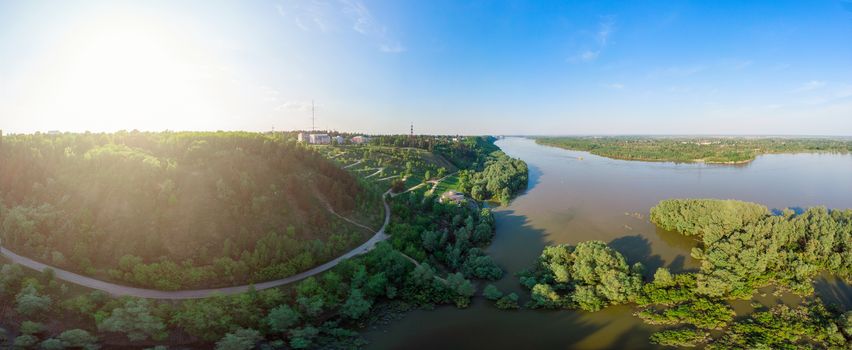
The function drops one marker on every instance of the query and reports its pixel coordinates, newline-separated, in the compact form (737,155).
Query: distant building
(314,139)
(360,139)
(319,139)
(338,139)
(53,132)
(452,196)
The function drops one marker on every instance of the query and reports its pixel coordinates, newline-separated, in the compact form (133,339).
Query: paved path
(374,174)
(438,181)
(353,222)
(434,184)
(439,278)
(353,164)
(386,178)
(119,290)
(409,190)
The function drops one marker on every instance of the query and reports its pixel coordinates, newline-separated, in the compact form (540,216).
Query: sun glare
(126,71)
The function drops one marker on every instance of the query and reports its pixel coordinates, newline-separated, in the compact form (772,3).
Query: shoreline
(692,161)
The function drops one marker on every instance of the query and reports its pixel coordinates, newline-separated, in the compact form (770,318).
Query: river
(575,196)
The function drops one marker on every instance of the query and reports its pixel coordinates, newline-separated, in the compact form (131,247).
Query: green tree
(29,302)
(134,318)
(663,278)
(543,295)
(52,344)
(10,276)
(508,302)
(281,318)
(356,305)
(206,318)
(241,339)
(492,293)
(78,338)
(462,287)
(591,276)
(311,306)
(587,299)
(31,328)
(505,196)
(25,341)
(303,338)
(682,337)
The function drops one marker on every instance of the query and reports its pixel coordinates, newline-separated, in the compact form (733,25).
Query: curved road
(119,290)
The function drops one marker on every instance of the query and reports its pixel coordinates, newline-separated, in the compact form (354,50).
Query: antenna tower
(313,117)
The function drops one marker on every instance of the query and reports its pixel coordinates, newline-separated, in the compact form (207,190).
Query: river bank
(570,200)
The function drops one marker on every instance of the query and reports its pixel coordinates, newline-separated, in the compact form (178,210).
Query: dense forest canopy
(502,178)
(588,276)
(694,149)
(318,312)
(743,247)
(434,254)
(177,210)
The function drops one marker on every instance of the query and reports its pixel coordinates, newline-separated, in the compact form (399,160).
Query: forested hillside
(177,210)
(465,152)
(484,171)
(174,210)
(695,149)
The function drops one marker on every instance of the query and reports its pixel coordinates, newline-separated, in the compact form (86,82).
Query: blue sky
(450,67)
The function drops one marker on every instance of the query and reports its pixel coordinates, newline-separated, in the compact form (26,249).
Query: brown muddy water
(575,196)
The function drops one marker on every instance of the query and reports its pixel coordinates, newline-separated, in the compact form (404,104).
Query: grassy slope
(363,161)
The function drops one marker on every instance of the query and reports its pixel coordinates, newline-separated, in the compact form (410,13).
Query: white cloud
(307,15)
(781,66)
(810,86)
(331,16)
(606,28)
(614,86)
(269,94)
(392,48)
(365,24)
(740,64)
(843,92)
(679,89)
(678,71)
(301,106)
(589,55)
(817,92)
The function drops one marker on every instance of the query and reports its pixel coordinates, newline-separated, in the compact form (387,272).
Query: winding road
(119,290)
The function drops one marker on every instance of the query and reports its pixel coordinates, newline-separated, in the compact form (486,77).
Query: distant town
(326,139)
